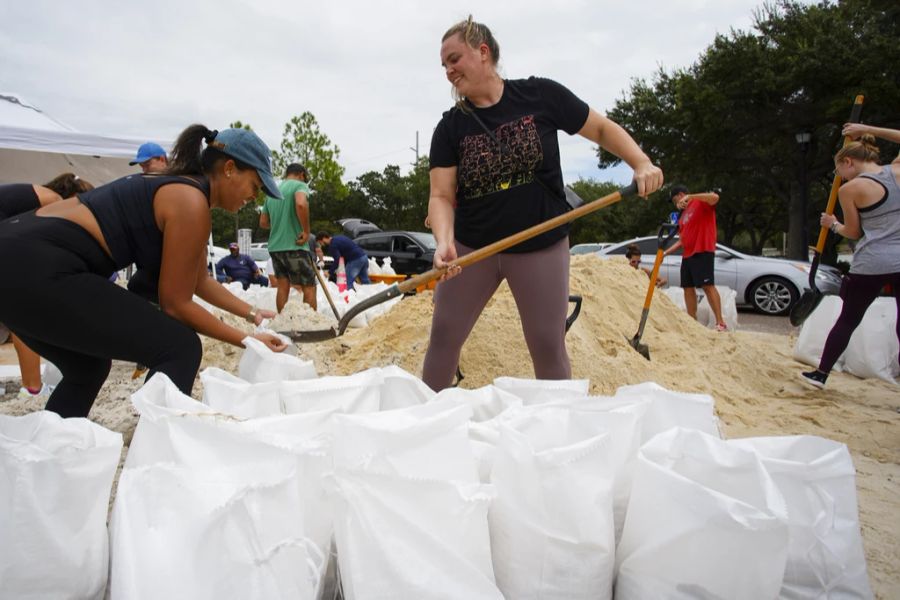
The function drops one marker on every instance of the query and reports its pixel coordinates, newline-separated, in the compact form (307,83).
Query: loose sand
(752,377)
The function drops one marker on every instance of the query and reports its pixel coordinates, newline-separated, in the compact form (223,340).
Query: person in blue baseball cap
(151,157)
(161,223)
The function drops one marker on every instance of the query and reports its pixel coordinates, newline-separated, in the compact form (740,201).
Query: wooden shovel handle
(517,238)
(836,182)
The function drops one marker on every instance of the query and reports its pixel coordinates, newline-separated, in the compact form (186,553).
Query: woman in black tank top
(56,295)
(15,199)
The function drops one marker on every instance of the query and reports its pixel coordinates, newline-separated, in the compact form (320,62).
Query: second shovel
(665,235)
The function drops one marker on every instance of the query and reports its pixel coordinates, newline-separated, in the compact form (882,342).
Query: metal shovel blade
(319,335)
(805,306)
(635,343)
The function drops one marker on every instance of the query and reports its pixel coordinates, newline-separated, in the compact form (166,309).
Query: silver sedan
(769,285)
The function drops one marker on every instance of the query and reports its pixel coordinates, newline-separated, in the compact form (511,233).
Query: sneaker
(722,327)
(41,395)
(815,378)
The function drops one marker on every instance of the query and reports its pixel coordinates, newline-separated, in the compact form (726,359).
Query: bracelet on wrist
(834,227)
(251,316)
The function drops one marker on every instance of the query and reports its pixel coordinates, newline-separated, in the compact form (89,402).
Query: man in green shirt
(288,219)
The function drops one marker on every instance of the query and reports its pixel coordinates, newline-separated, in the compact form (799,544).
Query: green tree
(390,199)
(631,217)
(305,143)
(729,121)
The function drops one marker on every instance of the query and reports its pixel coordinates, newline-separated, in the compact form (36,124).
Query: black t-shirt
(497,192)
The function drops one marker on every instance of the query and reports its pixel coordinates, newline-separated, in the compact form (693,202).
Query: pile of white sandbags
(290,484)
(873,348)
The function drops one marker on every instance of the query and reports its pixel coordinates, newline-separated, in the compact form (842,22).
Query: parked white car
(587,248)
(769,285)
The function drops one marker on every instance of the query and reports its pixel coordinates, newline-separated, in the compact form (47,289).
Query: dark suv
(353,228)
(411,252)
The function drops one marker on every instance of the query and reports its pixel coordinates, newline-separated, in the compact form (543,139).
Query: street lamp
(803,138)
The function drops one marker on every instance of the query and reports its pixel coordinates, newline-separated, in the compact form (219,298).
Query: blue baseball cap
(247,147)
(146,152)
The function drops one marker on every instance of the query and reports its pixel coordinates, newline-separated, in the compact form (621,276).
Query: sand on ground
(752,377)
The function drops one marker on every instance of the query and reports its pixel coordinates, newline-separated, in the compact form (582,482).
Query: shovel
(473,257)
(811,297)
(667,231)
(334,309)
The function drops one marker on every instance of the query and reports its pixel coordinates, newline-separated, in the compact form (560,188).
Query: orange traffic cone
(341,276)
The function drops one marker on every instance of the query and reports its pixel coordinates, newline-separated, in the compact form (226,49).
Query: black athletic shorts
(698,270)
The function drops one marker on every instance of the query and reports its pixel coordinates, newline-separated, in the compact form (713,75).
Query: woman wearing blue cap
(161,223)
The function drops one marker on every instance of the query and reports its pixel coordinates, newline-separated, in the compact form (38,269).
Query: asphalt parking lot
(749,320)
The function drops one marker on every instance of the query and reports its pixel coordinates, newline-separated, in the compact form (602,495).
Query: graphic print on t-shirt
(485,167)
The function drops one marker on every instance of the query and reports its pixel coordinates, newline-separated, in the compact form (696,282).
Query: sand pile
(752,377)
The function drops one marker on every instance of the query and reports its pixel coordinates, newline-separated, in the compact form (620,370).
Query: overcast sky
(369,71)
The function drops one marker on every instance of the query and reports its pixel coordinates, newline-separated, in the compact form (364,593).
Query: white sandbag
(350,300)
(873,348)
(728,298)
(486,402)
(203,441)
(669,409)
(676,295)
(225,393)
(374,268)
(210,533)
(400,389)
(55,480)
(815,330)
(620,420)
(386,267)
(817,479)
(412,538)
(705,315)
(428,441)
(258,364)
(357,393)
(50,374)
(705,520)
(551,522)
(536,391)
(155,400)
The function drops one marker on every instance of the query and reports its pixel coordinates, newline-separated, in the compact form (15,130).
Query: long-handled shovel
(666,233)
(334,309)
(811,297)
(473,257)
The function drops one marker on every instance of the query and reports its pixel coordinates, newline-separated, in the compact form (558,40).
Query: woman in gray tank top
(870,200)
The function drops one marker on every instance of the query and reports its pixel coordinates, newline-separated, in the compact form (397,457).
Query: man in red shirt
(697,235)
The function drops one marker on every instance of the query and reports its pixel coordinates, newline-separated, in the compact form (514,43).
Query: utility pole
(416,149)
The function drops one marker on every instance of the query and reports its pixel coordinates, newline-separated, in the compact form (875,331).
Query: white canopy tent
(35,148)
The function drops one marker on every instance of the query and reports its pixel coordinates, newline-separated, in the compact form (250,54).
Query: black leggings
(858,292)
(56,296)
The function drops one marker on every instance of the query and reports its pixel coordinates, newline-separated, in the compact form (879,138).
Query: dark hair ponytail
(68,184)
(190,158)
(186,155)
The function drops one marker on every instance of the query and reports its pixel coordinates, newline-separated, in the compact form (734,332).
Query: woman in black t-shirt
(495,171)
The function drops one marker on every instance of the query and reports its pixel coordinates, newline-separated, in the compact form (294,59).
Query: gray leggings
(539,282)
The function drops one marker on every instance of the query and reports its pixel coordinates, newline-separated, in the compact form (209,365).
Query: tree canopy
(729,121)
